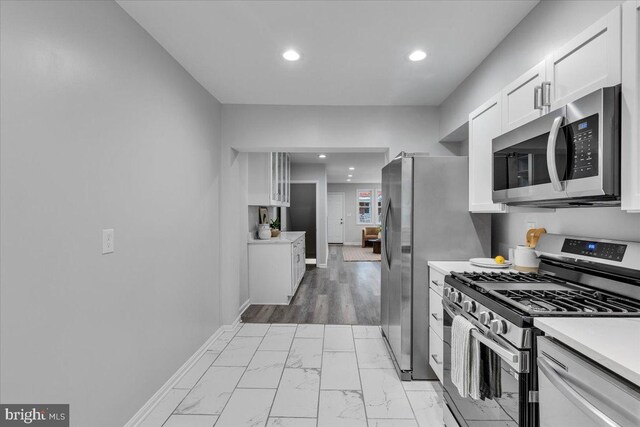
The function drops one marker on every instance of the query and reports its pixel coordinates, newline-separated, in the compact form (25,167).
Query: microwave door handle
(570,393)
(551,153)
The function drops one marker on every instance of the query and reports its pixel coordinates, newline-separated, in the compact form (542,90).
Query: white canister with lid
(525,259)
(264,231)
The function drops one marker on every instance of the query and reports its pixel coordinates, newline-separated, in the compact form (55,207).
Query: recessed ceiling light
(291,55)
(351,168)
(349,175)
(322,156)
(417,55)
(348,180)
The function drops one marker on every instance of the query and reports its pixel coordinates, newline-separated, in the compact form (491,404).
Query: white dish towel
(465,358)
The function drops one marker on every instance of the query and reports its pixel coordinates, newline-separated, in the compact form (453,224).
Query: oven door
(509,410)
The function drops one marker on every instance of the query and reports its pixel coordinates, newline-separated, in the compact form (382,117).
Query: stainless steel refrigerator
(425,217)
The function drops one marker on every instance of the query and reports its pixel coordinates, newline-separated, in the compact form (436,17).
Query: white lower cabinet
(436,353)
(276,269)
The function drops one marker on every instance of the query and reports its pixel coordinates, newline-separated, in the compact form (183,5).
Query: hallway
(344,293)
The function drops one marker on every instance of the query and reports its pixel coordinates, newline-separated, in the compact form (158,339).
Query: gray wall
(548,26)
(540,32)
(353,230)
(101,128)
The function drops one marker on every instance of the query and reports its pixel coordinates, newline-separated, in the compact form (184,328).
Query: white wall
(548,26)
(353,230)
(313,172)
(101,128)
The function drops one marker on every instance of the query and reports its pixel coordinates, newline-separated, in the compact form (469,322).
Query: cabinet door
(518,98)
(288,179)
(589,61)
(631,106)
(274,178)
(484,125)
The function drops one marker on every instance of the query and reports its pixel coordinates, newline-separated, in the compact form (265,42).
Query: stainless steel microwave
(569,157)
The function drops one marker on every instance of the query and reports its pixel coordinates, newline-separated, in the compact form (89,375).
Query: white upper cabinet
(631,106)
(588,62)
(269,179)
(522,99)
(485,123)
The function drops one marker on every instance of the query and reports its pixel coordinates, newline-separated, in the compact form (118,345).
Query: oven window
(525,164)
(507,410)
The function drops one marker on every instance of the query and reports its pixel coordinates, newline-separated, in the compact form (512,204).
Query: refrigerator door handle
(385,235)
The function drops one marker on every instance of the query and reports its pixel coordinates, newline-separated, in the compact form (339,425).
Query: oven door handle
(517,360)
(570,393)
(551,153)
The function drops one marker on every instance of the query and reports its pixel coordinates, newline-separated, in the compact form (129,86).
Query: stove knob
(486,317)
(455,297)
(469,306)
(446,292)
(498,327)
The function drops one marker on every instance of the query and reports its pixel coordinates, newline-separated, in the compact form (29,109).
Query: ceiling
(368,166)
(353,52)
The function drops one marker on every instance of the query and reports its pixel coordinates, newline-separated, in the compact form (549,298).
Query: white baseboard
(321,265)
(146,409)
(243,307)
(352,243)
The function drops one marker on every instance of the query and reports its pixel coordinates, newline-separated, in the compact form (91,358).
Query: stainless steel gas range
(577,277)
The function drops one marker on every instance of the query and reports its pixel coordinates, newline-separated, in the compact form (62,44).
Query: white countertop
(446,267)
(286,237)
(613,342)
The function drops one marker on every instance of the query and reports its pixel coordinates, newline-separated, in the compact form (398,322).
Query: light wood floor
(343,293)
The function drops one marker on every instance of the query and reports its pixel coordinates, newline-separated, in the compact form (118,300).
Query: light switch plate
(107,241)
(531,224)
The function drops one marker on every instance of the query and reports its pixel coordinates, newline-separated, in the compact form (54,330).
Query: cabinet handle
(435,282)
(436,317)
(435,359)
(537,97)
(546,94)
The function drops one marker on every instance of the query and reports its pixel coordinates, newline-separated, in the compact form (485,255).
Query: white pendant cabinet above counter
(269,179)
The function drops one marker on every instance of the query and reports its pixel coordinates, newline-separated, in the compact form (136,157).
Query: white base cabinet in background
(276,268)
(630,196)
(436,353)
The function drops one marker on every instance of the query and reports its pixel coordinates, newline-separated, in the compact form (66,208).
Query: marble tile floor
(300,376)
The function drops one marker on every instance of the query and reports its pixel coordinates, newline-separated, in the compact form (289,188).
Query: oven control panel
(582,137)
(603,250)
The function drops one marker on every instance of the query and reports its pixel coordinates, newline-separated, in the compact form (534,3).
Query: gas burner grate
(508,277)
(569,301)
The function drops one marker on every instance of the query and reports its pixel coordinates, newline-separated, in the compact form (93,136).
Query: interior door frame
(317,184)
(342,194)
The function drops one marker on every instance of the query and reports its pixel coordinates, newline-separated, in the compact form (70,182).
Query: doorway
(335,218)
(302,215)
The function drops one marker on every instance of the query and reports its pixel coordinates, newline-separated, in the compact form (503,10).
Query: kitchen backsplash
(509,230)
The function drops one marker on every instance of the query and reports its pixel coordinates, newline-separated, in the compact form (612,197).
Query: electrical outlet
(531,224)
(107,241)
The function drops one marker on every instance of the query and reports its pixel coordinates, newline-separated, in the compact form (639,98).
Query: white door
(335,221)
(518,98)
(588,62)
(484,125)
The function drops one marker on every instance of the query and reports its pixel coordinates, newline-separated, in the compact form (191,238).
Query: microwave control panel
(582,136)
(604,250)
